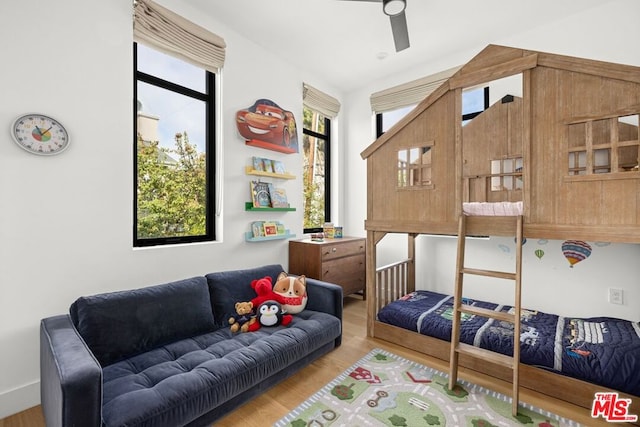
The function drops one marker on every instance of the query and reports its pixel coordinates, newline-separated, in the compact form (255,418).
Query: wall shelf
(248,236)
(249,170)
(248,206)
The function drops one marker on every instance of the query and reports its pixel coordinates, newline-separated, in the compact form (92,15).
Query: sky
(177,113)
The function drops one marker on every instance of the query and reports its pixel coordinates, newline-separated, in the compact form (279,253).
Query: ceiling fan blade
(400,31)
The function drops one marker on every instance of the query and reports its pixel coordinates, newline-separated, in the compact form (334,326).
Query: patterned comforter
(600,350)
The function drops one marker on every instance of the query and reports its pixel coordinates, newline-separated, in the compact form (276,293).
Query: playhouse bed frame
(570,109)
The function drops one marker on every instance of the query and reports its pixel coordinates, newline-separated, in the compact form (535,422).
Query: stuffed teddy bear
(294,292)
(270,313)
(244,318)
(264,290)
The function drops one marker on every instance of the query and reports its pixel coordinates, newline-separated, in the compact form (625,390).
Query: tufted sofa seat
(164,355)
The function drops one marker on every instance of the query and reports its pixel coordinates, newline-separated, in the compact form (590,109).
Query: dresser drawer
(338,250)
(347,272)
(338,270)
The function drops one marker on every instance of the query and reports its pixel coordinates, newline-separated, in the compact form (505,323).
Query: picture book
(268,165)
(270,228)
(257,228)
(260,195)
(258,165)
(279,198)
(278,167)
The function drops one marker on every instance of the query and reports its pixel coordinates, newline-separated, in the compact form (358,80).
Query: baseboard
(19,399)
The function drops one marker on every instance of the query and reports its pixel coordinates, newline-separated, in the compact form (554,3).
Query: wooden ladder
(457,347)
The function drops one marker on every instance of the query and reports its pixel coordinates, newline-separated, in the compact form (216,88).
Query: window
(316,144)
(474,102)
(385,120)
(506,174)
(414,167)
(173,150)
(604,146)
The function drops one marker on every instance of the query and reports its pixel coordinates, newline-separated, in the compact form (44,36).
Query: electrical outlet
(616,296)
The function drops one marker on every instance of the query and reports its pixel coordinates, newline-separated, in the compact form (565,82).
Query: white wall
(604,33)
(66,221)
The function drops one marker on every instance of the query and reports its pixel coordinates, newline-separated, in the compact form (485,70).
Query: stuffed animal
(294,292)
(244,317)
(264,290)
(270,313)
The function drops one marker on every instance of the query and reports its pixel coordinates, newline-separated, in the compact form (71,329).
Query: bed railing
(392,282)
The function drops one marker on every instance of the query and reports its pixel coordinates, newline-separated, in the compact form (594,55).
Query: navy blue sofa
(164,355)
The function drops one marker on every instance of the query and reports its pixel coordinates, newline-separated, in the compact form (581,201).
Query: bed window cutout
(506,174)
(414,167)
(603,147)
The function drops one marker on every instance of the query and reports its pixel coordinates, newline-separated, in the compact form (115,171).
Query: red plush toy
(264,290)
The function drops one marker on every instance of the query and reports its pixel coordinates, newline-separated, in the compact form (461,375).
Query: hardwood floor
(287,395)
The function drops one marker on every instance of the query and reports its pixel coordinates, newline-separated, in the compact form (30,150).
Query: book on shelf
(279,198)
(260,194)
(258,165)
(278,167)
(257,228)
(270,229)
(268,165)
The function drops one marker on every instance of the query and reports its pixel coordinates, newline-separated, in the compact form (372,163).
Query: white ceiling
(341,40)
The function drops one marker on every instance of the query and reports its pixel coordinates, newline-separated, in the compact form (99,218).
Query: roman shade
(409,93)
(320,101)
(174,35)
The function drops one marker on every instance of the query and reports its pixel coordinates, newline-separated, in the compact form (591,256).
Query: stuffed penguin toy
(270,313)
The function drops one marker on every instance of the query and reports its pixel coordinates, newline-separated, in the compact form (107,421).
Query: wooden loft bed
(567,149)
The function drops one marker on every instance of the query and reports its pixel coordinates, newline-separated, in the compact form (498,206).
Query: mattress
(601,350)
(492,209)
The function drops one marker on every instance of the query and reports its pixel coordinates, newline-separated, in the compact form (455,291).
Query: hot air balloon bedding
(600,350)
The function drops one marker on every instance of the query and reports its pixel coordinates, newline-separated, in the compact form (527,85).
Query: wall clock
(40,134)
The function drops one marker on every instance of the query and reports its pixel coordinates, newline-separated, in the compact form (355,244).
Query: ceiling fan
(395,10)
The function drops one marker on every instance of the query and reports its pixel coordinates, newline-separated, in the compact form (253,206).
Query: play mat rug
(383,389)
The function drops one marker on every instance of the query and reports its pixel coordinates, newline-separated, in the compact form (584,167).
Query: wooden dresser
(340,261)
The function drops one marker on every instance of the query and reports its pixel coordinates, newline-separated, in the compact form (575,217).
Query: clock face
(40,134)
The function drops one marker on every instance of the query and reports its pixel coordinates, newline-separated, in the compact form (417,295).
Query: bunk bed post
(515,396)
(526,142)
(371,285)
(411,267)
(459,190)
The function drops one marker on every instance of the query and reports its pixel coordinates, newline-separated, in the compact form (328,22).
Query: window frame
(209,98)
(407,174)
(327,169)
(588,148)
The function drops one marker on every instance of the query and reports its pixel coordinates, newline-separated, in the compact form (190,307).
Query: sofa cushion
(228,287)
(118,325)
(179,382)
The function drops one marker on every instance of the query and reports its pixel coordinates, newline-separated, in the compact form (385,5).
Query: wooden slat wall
(389,202)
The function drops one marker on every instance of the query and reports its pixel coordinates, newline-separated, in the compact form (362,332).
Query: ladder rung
(488,355)
(489,273)
(485,312)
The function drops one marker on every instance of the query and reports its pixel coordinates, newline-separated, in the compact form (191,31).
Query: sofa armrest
(70,376)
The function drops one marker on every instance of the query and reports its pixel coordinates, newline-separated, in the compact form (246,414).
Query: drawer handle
(333,249)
